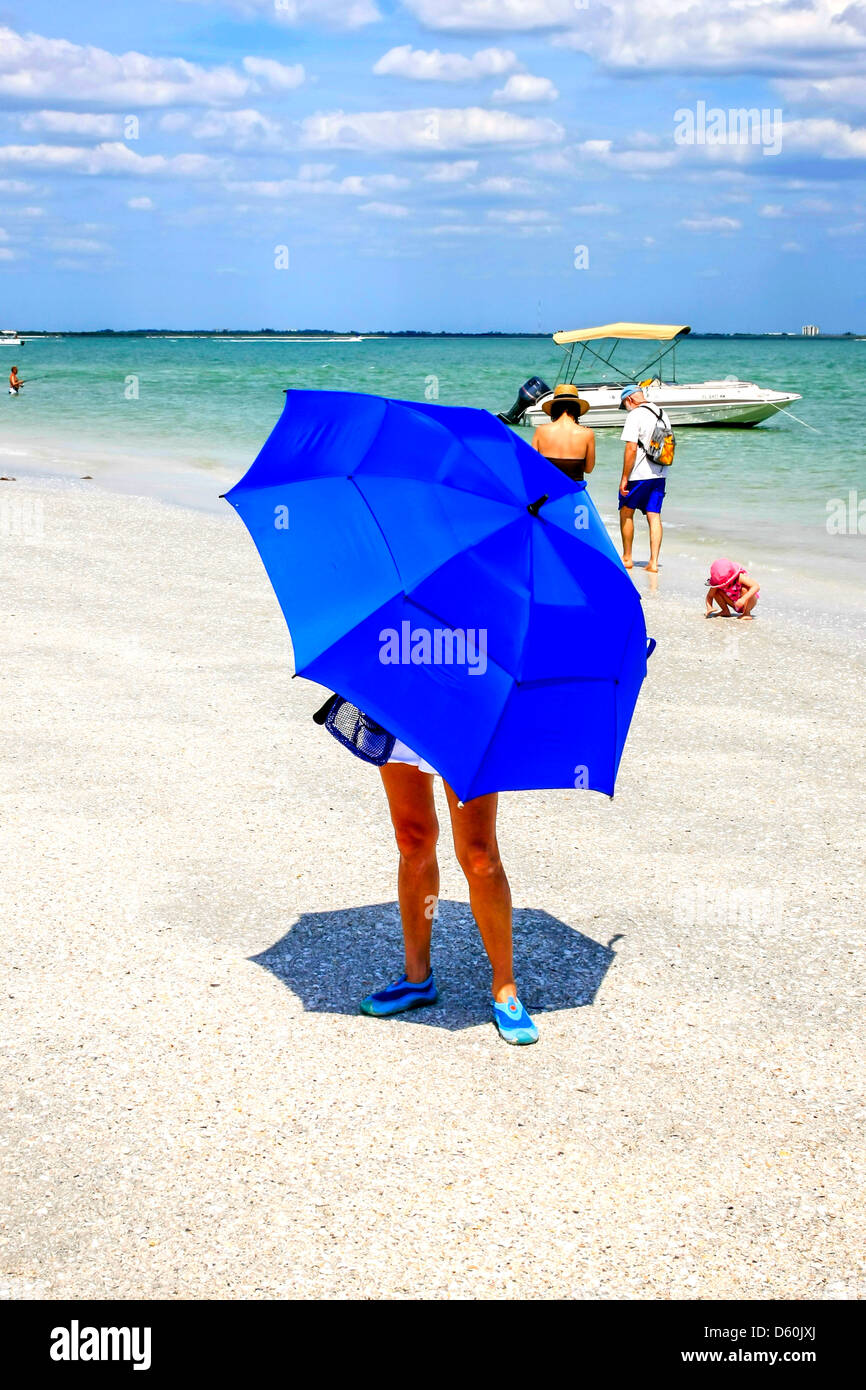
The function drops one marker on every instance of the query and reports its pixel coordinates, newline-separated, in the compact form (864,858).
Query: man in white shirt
(642,485)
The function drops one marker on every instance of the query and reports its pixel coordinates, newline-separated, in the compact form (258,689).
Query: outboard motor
(530,392)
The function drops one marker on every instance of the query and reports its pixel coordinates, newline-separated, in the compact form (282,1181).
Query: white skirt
(403,754)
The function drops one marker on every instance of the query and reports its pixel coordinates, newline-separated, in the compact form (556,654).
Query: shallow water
(185,417)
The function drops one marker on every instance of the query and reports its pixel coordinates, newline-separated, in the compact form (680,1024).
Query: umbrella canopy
(451,582)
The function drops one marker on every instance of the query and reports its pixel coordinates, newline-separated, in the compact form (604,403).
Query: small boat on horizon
(9,338)
(718,402)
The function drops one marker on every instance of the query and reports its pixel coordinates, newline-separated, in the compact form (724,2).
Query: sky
(456,165)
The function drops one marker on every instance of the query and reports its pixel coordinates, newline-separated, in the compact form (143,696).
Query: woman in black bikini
(565,441)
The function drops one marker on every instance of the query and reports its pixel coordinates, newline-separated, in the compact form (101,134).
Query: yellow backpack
(662,444)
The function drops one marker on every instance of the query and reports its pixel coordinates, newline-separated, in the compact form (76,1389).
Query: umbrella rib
(422,608)
(489,744)
(516,502)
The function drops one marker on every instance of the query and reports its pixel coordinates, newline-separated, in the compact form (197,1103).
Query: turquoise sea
(185,417)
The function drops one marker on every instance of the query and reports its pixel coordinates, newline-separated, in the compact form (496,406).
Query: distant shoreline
(312,334)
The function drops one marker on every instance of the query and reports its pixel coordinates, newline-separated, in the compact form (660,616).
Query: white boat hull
(719,403)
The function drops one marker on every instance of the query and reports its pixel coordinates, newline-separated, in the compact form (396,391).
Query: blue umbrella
(451,582)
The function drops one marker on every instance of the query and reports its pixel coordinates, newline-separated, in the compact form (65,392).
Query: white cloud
(114,158)
(829,91)
(35,68)
(140,204)
(772,210)
(491,16)
(594,209)
(629,161)
(791,246)
(307,182)
(454,172)
(82,123)
(80,246)
(7,255)
(423,66)
(385,209)
(279,77)
(711,224)
(426,130)
(360,185)
(763,36)
(16,186)
(522,86)
(504,186)
(824,137)
(518,215)
(334,14)
(239,129)
(455,229)
(553,162)
(852,229)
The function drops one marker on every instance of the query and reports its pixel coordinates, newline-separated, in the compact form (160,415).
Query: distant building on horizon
(810,330)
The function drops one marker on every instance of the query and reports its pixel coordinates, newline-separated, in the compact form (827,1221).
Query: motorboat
(727,401)
(9,338)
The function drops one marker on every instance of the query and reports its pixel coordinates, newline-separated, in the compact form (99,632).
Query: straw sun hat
(566,393)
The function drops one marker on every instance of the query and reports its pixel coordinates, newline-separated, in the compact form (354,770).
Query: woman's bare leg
(416,828)
(474,827)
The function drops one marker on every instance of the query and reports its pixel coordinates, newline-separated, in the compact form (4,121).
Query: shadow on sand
(330,960)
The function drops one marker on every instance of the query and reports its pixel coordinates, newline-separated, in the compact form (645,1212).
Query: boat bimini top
(662,333)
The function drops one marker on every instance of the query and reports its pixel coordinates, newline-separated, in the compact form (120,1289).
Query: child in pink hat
(732,589)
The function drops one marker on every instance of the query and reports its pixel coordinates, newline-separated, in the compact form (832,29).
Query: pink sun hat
(723,572)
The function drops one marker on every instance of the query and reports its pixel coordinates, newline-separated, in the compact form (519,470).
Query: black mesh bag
(356,730)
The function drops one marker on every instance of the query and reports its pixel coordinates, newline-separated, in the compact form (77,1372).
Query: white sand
(198,887)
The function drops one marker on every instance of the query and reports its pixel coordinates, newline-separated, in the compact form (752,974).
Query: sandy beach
(199,886)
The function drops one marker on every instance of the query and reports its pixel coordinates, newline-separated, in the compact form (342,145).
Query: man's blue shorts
(644,496)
